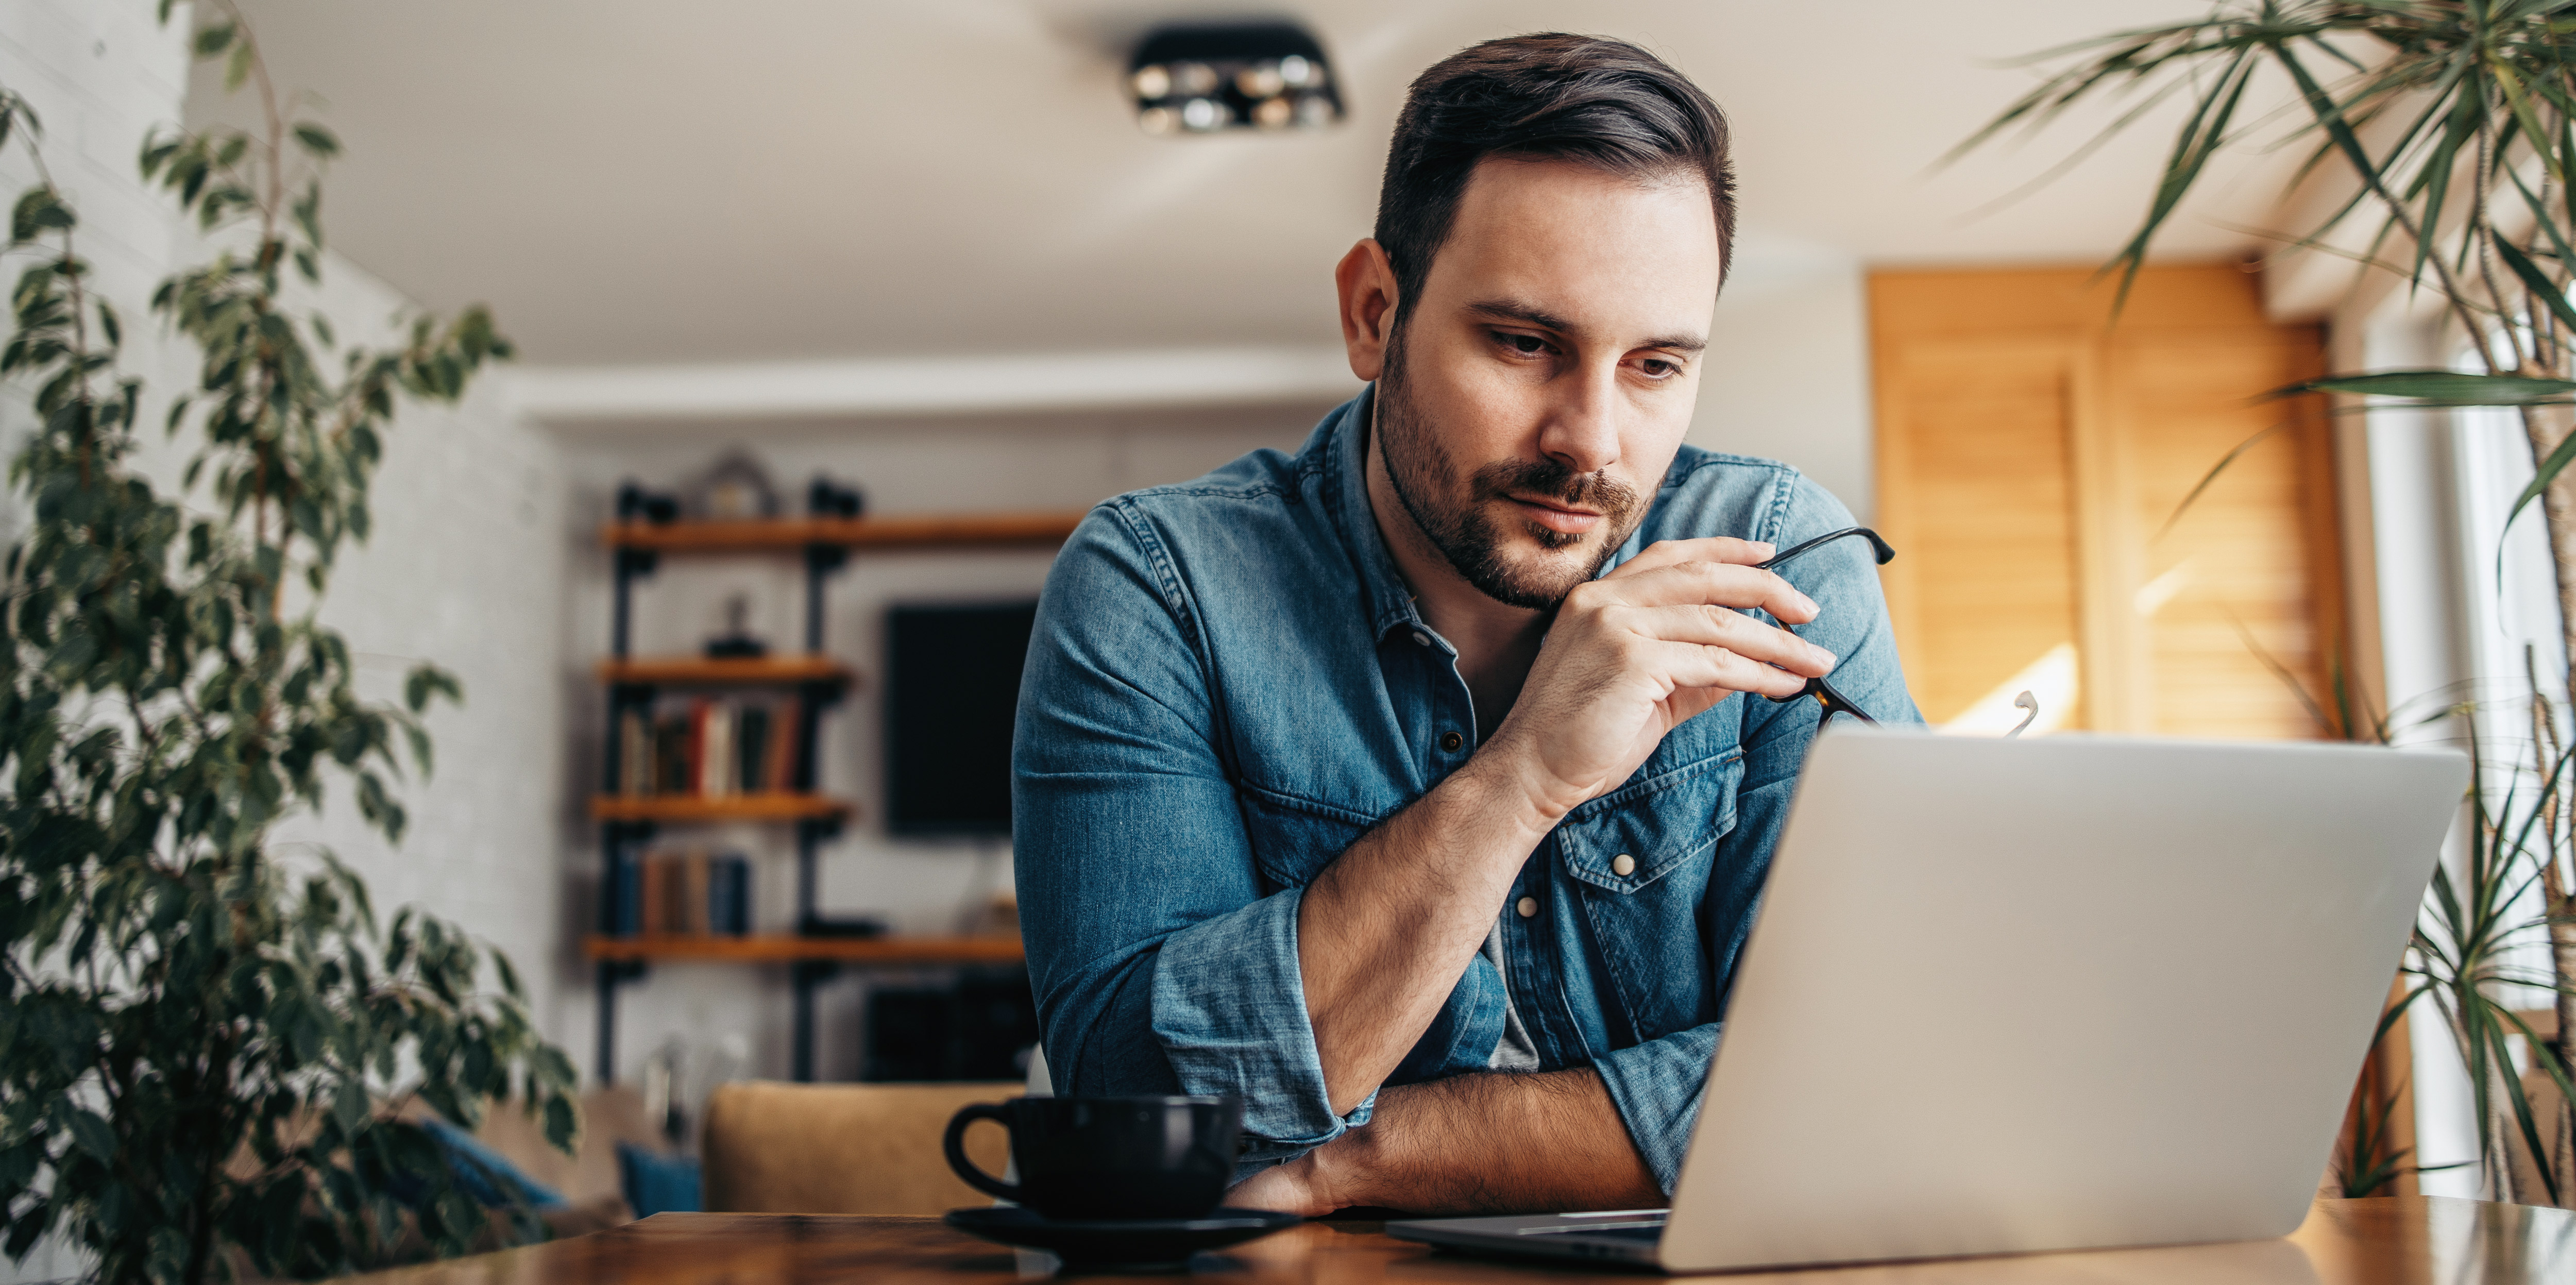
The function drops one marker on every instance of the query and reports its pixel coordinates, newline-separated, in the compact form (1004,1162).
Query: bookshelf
(700,671)
(629,818)
(690,809)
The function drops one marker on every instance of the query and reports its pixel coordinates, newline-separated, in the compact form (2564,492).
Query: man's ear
(1366,283)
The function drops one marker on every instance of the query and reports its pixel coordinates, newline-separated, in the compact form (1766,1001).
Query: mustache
(1551,478)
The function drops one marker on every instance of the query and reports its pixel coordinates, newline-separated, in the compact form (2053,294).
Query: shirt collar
(1390,604)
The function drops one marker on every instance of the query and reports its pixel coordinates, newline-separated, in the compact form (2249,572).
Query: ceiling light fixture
(1197,78)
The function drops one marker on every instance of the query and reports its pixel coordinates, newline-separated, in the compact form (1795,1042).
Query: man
(1418,789)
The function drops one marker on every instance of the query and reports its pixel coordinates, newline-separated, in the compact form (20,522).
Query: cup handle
(955,1145)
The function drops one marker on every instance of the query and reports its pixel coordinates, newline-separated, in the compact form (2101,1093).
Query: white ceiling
(670,180)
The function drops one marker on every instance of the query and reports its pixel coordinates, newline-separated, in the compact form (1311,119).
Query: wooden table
(2394,1241)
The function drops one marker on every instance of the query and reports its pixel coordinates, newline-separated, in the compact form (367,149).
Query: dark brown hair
(1549,96)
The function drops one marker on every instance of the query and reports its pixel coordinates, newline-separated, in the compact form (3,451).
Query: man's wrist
(1504,783)
(1341,1173)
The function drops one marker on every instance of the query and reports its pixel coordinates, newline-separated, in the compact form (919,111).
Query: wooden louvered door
(2031,455)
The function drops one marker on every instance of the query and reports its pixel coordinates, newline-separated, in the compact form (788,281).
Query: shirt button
(1623,864)
(1528,906)
(1450,741)
(1421,639)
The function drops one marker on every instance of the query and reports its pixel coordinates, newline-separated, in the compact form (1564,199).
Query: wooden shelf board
(963,530)
(731,807)
(701,671)
(786,949)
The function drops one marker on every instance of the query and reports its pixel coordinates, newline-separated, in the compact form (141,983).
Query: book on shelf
(634,753)
(682,894)
(715,750)
(708,749)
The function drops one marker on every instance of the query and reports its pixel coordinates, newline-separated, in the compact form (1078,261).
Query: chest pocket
(1640,858)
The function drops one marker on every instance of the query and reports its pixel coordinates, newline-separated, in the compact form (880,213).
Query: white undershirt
(1514,1051)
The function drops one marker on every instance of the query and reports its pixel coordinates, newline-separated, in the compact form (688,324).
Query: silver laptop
(2007,996)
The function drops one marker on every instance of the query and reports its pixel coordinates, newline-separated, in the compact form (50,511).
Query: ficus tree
(2449,127)
(208,1040)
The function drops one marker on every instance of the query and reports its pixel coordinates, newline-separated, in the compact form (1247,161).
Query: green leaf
(89,1132)
(39,211)
(215,39)
(2440,388)
(317,140)
(349,1107)
(2546,472)
(2542,288)
(562,1123)
(237,68)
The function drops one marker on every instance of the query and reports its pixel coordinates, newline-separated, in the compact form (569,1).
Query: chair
(776,1148)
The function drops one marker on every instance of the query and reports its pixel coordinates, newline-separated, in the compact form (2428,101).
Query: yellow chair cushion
(773,1148)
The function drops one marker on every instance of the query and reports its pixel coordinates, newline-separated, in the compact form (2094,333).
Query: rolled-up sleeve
(1655,1087)
(1160,963)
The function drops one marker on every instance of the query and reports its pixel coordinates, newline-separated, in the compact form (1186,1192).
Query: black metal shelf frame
(621,842)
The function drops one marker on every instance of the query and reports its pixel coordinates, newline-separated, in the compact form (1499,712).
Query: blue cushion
(485,1173)
(656,1183)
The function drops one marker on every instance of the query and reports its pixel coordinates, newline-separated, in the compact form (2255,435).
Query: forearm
(1384,932)
(1486,1143)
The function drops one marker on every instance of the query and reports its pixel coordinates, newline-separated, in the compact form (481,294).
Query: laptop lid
(2019,995)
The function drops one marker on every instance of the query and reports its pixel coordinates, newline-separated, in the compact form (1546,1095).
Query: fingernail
(1807,602)
(1823,657)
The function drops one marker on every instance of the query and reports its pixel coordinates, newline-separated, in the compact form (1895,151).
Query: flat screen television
(952,687)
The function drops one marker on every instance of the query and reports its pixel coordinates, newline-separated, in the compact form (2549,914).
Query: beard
(1458,515)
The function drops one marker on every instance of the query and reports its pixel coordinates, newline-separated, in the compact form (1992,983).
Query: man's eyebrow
(1514,310)
(1527,314)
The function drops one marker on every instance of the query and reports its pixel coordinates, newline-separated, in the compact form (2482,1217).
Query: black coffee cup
(1109,1158)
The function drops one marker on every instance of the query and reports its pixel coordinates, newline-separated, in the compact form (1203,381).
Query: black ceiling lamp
(1198,78)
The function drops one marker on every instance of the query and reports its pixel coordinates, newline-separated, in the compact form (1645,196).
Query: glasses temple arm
(1877,547)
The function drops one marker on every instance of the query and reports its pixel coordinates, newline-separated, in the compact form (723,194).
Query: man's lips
(1557,517)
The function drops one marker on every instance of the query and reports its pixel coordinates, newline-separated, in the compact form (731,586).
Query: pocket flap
(1657,823)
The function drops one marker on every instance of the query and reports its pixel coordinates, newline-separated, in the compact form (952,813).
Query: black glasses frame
(1818,689)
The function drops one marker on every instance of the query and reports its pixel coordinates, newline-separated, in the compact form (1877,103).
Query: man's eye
(1527,345)
(1659,368)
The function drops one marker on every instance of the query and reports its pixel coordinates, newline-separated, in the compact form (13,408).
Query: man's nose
(1582,429)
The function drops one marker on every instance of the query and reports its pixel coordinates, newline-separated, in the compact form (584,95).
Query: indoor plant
(2452,125)
(205,1041)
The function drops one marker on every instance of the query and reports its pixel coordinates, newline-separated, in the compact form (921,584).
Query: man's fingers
(1693,665)
(1721,548)
(1709,626)
(1700,583)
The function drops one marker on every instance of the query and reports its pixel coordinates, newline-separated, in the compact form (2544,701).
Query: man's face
(1533,399)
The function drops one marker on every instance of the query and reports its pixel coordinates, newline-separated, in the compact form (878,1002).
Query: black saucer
(1088,1244)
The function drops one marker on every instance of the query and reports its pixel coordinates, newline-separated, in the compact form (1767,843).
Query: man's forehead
(1567,246)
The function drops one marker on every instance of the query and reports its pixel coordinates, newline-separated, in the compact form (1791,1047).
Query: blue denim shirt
(1229,684)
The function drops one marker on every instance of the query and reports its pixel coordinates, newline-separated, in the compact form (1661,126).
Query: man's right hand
(1384,930)
(1640,651)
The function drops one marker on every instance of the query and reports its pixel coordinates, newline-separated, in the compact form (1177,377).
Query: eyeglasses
(1818,689)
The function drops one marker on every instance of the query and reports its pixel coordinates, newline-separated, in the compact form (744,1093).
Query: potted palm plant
(2451,125)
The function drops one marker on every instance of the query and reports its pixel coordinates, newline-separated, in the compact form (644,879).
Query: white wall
(1787,374)
(465,566)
